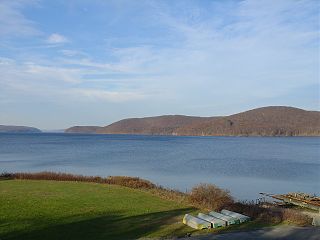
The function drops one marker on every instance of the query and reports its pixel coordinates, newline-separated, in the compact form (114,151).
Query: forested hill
(18,129)
(266,121)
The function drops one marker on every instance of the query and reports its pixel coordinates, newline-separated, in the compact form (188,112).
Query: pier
(298,199)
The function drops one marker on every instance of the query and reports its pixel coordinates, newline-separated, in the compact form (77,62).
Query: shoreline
(65,195)
(160,135)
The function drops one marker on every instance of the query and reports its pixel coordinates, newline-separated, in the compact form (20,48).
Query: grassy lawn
(69,210)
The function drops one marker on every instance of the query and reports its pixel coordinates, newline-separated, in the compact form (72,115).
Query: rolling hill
(266,121)
(18,129)
(82,129)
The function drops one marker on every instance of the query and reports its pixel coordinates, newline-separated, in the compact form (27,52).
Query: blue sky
(81,62)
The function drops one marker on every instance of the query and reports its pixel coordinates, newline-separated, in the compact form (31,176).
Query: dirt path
(279,232)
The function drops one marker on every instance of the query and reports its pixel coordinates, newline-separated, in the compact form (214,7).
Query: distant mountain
(82,129)
(18,129)
(266,121)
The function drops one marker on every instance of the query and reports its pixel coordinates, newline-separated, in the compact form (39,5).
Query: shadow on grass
(110,226)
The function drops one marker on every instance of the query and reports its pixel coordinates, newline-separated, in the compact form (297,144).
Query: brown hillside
(82,129)
(266,121)
(162,125)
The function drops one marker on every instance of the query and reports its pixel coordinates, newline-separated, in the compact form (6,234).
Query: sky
(93,62)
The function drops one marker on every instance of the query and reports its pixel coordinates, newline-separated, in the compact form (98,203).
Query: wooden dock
(299,199)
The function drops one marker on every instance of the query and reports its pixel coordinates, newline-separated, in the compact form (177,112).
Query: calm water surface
(245,166)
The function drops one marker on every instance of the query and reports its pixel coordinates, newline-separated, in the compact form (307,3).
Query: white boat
(195,222)
(241,217)
(215,222)
(229,220)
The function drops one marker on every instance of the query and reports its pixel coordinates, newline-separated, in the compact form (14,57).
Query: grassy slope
(71,210)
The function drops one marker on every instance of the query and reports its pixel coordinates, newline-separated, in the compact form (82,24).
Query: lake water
(244,165)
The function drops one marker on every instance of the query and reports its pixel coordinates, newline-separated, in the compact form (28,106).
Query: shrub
(6,176)
(57,177)
(296,217)
(250,209)
(170,194)
(271,214)
(131,182)
(210,196)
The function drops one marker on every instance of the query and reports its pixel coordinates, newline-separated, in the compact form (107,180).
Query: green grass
(70,210)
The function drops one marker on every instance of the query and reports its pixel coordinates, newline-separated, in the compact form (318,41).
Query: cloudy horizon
(96,62)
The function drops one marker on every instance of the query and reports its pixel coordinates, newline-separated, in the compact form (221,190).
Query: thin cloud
(52,82)
(56,38)
(72,53)
(104,95)
(13,23)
